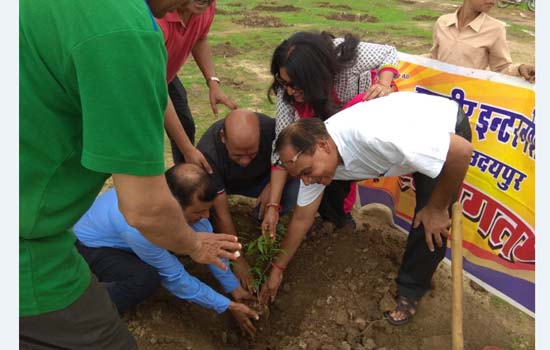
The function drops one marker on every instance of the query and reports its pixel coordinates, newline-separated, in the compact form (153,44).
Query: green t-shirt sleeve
(121,84)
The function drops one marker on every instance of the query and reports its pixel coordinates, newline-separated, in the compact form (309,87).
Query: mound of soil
(225,50)
(332,297)
(425,18)
(349,17)
(285,8)
(260,21)
(333,6)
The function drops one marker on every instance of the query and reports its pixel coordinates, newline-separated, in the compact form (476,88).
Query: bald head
(187,181)
(242,128)
(188,174)
(241,135)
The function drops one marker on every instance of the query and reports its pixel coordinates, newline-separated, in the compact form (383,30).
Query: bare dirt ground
(225,50)
(349,17)
(252,20)
(273,8)
(332,297)
(337,286)
(334,6)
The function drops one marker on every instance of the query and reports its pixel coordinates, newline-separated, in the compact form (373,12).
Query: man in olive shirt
(80,63)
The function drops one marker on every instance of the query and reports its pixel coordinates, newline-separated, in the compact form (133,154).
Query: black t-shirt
(228,175)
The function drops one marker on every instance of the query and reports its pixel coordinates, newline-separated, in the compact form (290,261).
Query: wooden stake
(456,265)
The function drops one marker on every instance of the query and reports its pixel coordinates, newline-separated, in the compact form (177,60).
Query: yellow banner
(498,193)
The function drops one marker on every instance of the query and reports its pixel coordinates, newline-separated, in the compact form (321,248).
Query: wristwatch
(216,79)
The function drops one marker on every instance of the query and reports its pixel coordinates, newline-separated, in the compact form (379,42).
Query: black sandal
(405,305)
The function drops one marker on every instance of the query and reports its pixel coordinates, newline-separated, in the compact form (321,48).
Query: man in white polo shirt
(402,133)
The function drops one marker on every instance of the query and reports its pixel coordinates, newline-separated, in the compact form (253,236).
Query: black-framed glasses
(285,84)
(294,159)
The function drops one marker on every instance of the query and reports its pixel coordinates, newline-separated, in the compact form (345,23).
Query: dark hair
(303,134)
(312,61)
(184,180)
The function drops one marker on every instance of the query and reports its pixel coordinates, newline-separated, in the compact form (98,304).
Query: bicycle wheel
(502,3)
(531,5)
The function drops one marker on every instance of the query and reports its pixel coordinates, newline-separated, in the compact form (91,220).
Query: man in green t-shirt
(81,61)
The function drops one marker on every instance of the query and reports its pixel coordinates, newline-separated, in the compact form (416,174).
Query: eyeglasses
(284,83)
(293,160)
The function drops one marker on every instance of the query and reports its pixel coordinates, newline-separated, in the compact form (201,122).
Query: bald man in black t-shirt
(238,148)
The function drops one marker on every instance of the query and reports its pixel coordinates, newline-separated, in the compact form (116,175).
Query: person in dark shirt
(238,148)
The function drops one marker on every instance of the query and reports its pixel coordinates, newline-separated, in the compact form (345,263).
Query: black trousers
(419,264)
(177,93)
(332,204)
(127,278)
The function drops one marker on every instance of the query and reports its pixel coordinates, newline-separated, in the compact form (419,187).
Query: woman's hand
(377,90)
(271,286)
(262,200)
(269,224)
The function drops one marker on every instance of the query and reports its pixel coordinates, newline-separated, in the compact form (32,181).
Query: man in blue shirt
(132,268)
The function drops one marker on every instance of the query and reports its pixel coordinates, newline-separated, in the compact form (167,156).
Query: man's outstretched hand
(211,248)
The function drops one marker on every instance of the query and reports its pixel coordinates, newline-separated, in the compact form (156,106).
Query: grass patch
(518,32)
